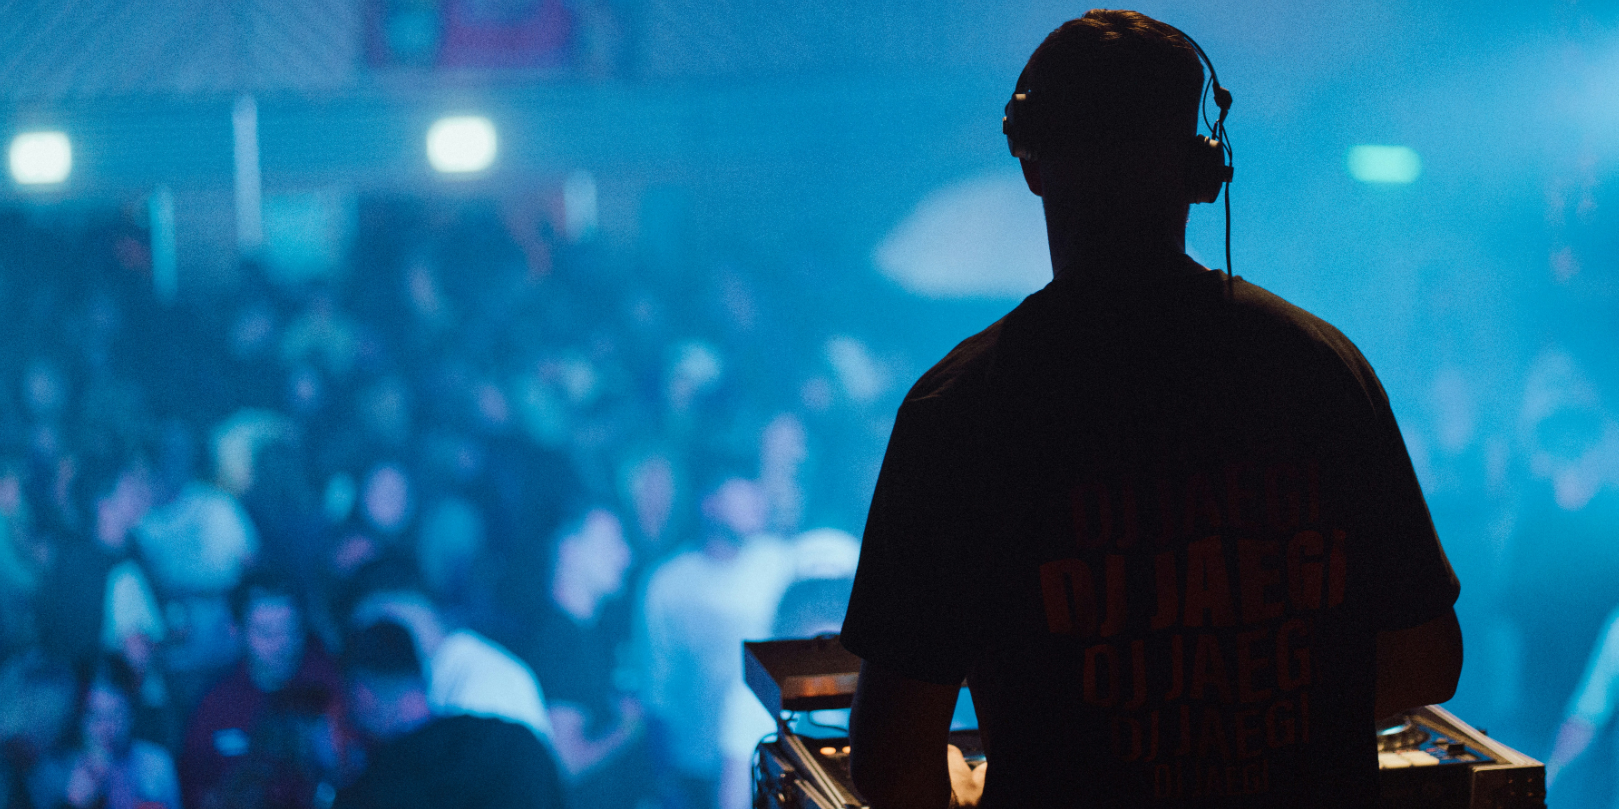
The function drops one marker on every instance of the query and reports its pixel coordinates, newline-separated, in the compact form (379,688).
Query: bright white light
(1384,164)
(461,144)
(41,158)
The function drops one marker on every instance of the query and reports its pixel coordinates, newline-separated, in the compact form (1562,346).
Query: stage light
(461,144)
(1384,164)
(41,158)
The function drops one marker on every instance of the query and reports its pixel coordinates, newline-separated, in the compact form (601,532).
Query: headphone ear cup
(1206,169)
(1013,127)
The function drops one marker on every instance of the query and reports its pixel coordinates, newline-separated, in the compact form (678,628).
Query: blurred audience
(1591,708)
(466,673)
(417,757)
(108,767)
(481,426)
(698,608)
(279,654)
(578,651)
(37,703)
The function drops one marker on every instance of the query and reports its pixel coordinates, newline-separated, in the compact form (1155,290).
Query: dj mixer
(1427,758)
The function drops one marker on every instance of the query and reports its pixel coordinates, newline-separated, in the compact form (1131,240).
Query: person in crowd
(783,451)
(813,607)
(92,597)
(451,545)
(279,654)
(388,501)
(109,768)
(466,672)
(648,481)
(1591,708)
(418,757)
(823,575)
(698,608)
(200,541)
(38,696)
(575,648)
(21,562)
(197,541)
(1557,604)
(294,533)
(263,464)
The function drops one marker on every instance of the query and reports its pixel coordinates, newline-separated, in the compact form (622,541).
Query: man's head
(1111,108)
(735,509)
(592,557)
(390,589)
(387,692)
(272,624)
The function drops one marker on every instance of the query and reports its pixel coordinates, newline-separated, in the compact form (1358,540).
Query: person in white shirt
(699,607)
(467,673)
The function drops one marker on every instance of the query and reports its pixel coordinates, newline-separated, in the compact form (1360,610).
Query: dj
(1161,520)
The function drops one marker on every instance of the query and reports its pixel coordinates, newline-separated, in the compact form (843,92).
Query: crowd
(575,477)
(478,489)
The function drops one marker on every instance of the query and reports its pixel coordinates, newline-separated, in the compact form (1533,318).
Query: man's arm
(898,732)
(1418,666)
(1592,705)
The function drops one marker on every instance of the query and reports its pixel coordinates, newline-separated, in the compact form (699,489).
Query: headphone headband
(1209,164)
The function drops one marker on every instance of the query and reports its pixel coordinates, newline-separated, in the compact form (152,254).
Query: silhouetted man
(1166,527)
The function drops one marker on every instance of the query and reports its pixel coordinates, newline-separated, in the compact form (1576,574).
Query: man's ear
(1031,175)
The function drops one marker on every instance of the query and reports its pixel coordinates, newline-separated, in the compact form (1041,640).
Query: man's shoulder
(453,740)
(1286,327)
(231,694)
(963,371)
(1266,306)
(476,654)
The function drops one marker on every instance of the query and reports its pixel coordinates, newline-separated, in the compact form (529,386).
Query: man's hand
(898,734)
(966,781)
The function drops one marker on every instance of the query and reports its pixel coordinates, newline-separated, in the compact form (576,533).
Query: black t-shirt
(1158,528)
(459,762)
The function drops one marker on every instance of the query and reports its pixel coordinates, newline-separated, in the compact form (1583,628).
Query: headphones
(1208,161)
(1208,164)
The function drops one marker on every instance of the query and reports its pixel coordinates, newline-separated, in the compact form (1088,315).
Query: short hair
(390,573)
(1111,76)
(262,582)
(383,649)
